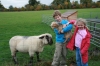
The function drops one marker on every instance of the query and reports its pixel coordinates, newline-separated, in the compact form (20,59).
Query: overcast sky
(20,3)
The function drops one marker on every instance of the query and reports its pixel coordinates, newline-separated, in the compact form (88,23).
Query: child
(80,41)
(60,50)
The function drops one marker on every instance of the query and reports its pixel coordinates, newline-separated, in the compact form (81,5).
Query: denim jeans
(79,58)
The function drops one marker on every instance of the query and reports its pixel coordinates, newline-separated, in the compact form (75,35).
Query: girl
(80,41)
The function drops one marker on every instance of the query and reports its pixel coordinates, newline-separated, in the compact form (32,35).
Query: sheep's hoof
(16,64)
(29,64)
(39,60)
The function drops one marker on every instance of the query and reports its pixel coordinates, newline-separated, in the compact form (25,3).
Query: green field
(29,23)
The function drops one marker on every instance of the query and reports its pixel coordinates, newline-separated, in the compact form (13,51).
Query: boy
(60,50)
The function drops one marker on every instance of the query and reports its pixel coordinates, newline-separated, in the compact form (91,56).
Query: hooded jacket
(85,44)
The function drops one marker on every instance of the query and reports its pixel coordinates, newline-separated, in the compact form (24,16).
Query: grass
(29,23)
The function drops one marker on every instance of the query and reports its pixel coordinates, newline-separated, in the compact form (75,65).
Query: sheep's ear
(41,37)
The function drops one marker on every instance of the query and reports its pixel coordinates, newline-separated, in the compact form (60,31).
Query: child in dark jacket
(80,41)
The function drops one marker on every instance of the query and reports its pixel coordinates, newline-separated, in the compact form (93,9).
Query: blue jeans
(79,58)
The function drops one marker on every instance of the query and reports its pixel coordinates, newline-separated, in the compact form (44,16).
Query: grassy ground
(28,24)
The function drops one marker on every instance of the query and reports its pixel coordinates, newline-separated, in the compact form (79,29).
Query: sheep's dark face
(47,39)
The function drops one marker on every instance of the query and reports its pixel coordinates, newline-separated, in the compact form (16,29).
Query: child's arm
(66,24)
(67,28)
(70,22)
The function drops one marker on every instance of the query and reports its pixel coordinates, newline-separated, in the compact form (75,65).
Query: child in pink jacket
(80,42)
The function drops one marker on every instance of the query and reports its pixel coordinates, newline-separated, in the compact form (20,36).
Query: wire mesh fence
(89,15)
(94,26)
(47,19)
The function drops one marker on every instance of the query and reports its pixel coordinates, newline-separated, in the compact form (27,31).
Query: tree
(98,4)
(39,7)
(58,2)
(65,4)
(1,7)
(22,8)
(11,8)
(27,6)
(85,2)
(15,9)
(31,8)
(62,1)
(33,2)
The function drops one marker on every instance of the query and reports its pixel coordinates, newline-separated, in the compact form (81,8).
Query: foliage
(1,6)
(33,2)
(46,7)
(27,6)
(58,2)
(98,4)
(85,2)
(31,8)
(22,8)
(38,7)
(11,8)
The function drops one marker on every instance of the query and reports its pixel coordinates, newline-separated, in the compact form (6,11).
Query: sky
(22,3)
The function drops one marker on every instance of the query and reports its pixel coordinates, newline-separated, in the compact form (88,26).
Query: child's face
(80,25)
(58,18)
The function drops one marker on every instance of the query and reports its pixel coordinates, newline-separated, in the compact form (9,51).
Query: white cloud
(47,2)
(14,3)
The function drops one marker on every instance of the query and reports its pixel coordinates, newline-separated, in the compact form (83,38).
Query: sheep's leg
(31,61)
(38,59)
(14,58)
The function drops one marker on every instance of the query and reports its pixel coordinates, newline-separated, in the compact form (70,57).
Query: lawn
(29,23)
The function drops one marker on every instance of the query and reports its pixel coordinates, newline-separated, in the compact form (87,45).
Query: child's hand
(64,25)
(61,31)
(72,21)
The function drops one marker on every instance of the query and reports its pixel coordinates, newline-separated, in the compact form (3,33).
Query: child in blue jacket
(60,50)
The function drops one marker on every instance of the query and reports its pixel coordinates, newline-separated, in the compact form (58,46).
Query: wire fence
(94,26)
(47,19)
(89,15)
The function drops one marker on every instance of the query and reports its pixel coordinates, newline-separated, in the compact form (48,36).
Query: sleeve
(67,28)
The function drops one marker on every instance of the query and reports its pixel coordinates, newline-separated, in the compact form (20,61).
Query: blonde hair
(56,13)
(83,21)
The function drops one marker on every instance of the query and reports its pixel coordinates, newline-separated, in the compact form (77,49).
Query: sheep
(59,27)
(30,44)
